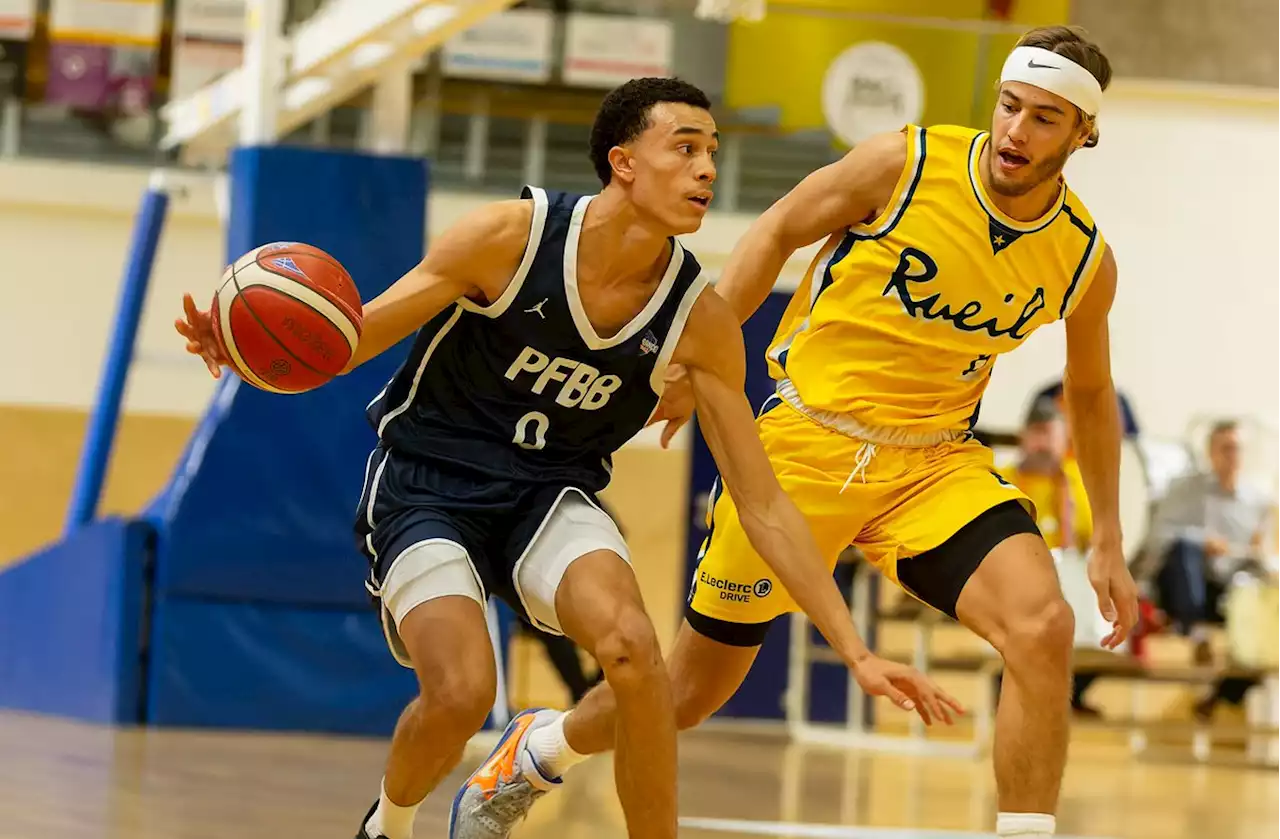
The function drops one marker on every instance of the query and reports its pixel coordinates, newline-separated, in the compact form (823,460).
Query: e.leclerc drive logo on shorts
(736,592)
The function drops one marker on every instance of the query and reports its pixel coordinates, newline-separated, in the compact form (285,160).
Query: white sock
(550,751)
(1025,825)
(390,819)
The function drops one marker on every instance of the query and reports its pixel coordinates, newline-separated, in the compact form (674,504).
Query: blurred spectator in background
(1051,478)
(1208,528)
(1128,420)
(564,657)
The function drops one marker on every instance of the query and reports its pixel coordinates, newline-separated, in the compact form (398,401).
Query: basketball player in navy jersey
(545,326)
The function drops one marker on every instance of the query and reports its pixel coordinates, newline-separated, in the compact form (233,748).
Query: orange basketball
(288,316)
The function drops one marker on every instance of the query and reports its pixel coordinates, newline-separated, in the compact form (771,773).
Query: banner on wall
(870,88)
(17,19)
(957,63)
(17,22)
(511,46)
(102,54)
(208,40)
(607,50)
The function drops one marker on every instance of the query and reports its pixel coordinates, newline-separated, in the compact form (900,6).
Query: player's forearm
(1095,425)
(782,538)
(398,312)
(752,269)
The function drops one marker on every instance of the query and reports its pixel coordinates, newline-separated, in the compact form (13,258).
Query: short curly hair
(624,115)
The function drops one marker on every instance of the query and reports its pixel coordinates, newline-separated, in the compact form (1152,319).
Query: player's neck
(622,245)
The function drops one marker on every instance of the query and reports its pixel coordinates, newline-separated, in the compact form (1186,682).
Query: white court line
(800,830)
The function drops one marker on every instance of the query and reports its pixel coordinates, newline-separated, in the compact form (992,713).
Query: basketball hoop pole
(264,70)
(101,432)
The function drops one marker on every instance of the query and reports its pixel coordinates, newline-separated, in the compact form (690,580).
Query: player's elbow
(1081,389)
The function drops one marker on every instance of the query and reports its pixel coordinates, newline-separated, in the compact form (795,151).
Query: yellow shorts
(905,502)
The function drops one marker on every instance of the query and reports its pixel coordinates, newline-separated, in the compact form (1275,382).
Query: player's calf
(1013,600)
(600,607)
(457,684)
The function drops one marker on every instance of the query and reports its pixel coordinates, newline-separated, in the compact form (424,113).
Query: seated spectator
(1128,419)
(1051,478)
(1207,528)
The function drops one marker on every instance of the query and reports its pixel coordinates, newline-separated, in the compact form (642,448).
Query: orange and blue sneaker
(499,794)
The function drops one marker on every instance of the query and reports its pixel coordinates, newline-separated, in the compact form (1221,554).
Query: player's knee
(461,698)
(629,653)
(1044,636)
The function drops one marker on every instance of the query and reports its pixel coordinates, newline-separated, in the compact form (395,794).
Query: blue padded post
(71,618)
(261,618)
(115,372)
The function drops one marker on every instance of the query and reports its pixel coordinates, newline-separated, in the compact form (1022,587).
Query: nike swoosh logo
(1032,64)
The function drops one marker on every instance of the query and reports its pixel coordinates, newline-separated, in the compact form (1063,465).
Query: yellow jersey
(898,321)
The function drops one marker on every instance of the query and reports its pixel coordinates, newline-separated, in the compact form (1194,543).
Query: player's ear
(622,163)
(1084,130)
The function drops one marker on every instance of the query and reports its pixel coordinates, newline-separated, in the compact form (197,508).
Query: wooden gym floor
(74,781)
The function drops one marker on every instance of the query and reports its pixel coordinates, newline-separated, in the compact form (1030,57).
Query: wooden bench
(1259,737)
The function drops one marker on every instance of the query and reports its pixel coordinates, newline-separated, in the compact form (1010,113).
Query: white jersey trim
(583,323)
(657,379)
(536,225)
(422,367)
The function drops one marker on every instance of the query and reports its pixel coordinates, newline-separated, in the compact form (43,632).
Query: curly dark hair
(624,115)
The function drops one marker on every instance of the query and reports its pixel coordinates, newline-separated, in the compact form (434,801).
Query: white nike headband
(1055,73)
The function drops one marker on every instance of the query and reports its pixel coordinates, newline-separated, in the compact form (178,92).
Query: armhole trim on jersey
(1086,270)
(422,367)
(903,191)
(536,225)
(657,379)
(832,252)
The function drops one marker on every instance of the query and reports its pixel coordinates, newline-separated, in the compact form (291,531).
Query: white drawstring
(865,453)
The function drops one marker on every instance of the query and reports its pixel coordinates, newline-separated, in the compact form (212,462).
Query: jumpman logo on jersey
(538,309)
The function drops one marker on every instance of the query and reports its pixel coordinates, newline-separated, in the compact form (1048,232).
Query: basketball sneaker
(499,794)
(363,833)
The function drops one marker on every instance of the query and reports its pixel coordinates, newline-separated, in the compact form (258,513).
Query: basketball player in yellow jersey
(945,247)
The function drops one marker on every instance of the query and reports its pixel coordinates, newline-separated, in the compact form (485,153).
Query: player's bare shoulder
(712,337)
(485,247)
(853,190)
(871,170)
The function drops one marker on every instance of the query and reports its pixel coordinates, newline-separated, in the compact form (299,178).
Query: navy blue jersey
(524,388)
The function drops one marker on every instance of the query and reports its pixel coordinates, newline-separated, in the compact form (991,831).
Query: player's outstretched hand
(677,402)
(907,688)
(1117,592)
(197,328)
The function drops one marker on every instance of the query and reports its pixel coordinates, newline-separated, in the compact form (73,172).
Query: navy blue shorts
(407,500)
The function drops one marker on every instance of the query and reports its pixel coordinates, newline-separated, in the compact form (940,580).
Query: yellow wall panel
(779,62)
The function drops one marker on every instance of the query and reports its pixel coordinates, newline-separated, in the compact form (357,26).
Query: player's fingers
(951,702)
(925,710)
(1105,604)
(189,308)
(929,694)
(891,692)
(1128,606)
(927,699)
